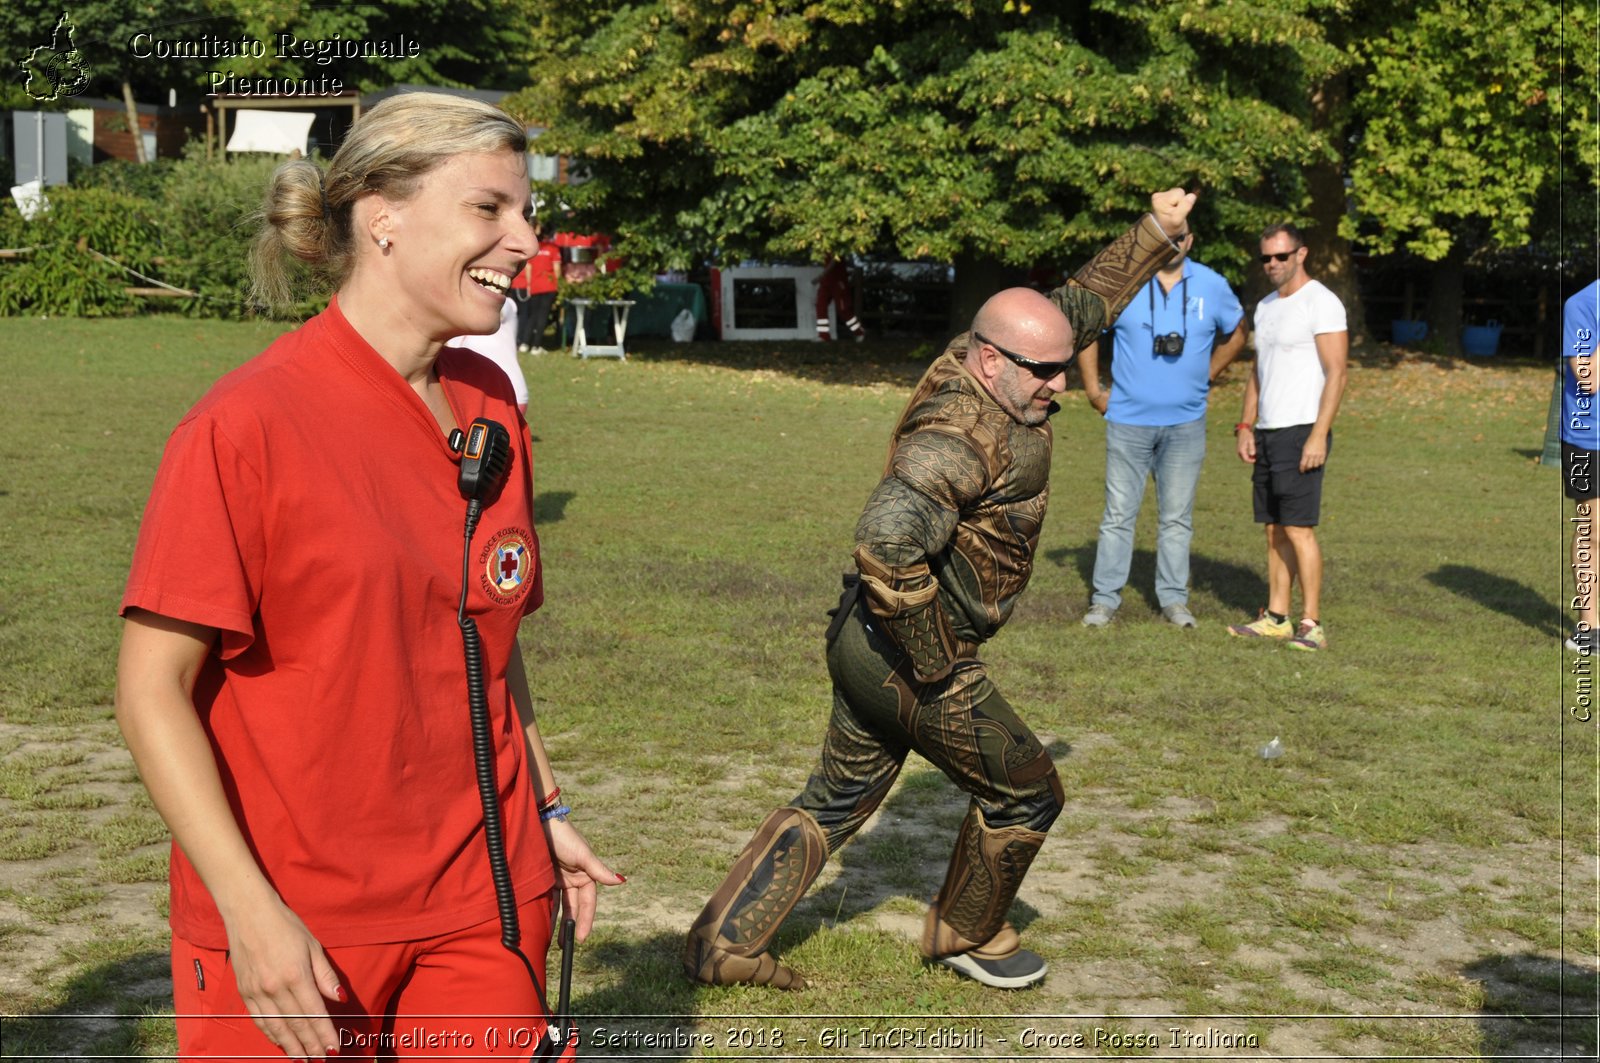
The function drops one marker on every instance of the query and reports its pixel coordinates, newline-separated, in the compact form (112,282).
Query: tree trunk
(133,121)
(977,278)
(1330,260)
(1444,299)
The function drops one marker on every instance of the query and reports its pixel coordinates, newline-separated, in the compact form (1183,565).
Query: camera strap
(1183,307)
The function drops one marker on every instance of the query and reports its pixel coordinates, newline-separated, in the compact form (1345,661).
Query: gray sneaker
(1018,970)
(1099,616)
(1178,613)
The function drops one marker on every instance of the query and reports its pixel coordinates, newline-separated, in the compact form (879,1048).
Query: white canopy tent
(278,132)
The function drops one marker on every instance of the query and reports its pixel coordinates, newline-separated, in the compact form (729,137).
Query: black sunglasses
(1042,370)
(1279,256)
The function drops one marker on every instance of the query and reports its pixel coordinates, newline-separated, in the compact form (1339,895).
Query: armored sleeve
(910,519)
(1096,294)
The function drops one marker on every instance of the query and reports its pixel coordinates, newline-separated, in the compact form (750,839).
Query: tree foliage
(463,43)
(102,29)
(1457,134)
(928,130)
(994,132)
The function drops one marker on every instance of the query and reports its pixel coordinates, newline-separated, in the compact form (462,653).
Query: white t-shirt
(500,347)
(1287,367)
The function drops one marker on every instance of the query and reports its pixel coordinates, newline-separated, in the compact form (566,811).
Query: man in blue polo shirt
(1580,444)
(1166,356)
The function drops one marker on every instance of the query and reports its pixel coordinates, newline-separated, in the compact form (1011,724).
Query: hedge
(180,222)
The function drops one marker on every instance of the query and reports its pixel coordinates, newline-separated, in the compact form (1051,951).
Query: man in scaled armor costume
(943,549)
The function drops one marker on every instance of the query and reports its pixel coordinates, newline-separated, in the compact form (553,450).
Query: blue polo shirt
(1580,414)
(1154,389)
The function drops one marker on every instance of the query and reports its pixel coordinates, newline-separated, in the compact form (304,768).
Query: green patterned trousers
(961,724)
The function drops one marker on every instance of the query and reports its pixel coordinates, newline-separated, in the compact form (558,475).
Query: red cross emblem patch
(508,564)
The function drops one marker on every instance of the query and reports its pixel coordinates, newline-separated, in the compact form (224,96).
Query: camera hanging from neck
(1173,343)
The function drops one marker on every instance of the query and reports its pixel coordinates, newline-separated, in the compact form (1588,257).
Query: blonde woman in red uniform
(292,681)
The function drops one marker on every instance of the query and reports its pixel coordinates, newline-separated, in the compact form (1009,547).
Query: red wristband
(1243,424)
(551,800)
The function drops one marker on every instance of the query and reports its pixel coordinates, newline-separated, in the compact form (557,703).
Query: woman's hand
(577,872)
(284,978)
(280,968)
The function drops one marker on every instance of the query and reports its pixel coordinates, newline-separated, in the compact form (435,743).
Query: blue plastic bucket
(1405,332)
(1481,340)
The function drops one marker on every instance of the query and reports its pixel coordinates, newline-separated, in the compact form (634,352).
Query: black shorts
(1284,494)
(1578,472)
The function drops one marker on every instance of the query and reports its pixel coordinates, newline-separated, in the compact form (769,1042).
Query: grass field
(1414,877)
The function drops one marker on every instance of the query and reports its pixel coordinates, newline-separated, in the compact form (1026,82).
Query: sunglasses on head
(1042,370)
(1278,256)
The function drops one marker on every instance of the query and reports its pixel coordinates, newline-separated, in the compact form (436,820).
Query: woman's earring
(383,243)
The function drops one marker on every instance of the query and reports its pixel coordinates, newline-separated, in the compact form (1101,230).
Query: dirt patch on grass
(1415,949)
(64,910)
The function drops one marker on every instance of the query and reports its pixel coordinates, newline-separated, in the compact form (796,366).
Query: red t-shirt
(540,274)
(307,508)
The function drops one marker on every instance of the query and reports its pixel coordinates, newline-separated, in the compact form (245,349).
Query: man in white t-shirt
(1286,431)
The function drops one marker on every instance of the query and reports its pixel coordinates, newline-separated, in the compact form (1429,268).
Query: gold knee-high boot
(969,912)
(728,942)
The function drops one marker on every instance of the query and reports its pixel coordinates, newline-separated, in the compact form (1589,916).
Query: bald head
(1019,349)
(1022,320)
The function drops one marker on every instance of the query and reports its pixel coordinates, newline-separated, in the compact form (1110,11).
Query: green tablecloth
(653,314)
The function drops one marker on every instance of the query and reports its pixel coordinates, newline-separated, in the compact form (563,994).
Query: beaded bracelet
(560,812)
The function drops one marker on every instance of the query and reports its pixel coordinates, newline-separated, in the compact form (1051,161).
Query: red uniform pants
(834,287)
(461,994)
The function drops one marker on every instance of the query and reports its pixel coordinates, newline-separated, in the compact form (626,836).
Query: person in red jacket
(291,681)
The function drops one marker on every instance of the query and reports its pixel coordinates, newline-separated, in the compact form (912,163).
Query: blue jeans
(1175,453)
